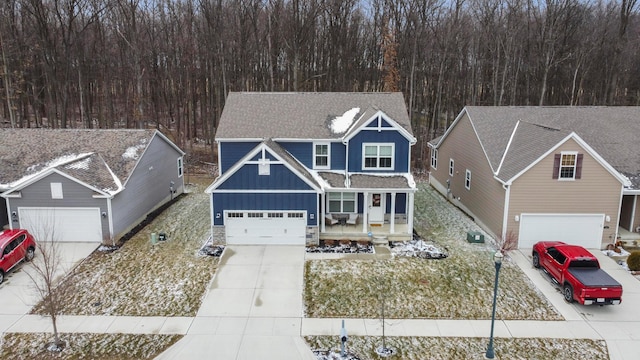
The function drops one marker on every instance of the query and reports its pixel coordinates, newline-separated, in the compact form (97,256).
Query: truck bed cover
(594,277)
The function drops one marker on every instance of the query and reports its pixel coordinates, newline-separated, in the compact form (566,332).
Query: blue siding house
(296,168)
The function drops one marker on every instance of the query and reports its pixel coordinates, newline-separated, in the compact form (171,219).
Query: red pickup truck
(578,272)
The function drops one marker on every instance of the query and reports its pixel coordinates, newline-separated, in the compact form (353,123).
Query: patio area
(354,232)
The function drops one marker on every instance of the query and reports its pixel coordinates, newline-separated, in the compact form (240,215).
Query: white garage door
(62,224)
(579,229)
(265,227)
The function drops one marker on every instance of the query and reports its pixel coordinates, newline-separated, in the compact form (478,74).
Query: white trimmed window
(377,156)
(180,167)
(342,202)
(467,179)
(321,156)
(451,167)
(434,158)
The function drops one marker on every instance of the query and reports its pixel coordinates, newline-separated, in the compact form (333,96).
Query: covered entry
(265,227)
(62,224)
(578,229)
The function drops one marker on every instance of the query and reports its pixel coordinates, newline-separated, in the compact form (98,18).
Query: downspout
(633,212)
(110,219)
(505,215)
(615,234)
(213,216)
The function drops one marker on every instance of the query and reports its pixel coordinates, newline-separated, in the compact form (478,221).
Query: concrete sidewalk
(254,305)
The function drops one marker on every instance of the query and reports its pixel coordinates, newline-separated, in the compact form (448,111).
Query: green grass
(438,348)
(86,346)
(458,287)
(141,279)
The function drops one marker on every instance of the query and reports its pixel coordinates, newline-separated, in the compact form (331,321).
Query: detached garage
(265,227)
(579,229)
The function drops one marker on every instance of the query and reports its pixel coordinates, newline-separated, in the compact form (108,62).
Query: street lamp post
(497,259)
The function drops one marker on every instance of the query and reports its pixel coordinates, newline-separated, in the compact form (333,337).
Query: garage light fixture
(516,218)
(607,218)
(14,216)
(218,215)
(104,214)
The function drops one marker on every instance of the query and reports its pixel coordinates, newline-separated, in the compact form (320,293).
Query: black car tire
(567,292)
(535,260)
(31,253)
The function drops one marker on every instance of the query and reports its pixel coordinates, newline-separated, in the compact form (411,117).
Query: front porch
(351,232)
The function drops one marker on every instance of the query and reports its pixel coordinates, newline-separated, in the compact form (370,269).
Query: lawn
(425,348)
(458,287)
(141,279)
(86,346)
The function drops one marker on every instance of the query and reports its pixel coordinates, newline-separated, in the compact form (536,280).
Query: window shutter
(579,166)
(556,166)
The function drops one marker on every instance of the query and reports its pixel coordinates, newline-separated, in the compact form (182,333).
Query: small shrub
(633,261)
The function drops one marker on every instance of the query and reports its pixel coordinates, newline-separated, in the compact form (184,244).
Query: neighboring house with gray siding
(543,173)
(85,185)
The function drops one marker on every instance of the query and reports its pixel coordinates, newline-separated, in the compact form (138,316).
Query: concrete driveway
(252,310)
(619,325)
(18,294)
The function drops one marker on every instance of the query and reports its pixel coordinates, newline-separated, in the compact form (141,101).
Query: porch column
(410,213)
(365,211)
(322,212)
(392,219)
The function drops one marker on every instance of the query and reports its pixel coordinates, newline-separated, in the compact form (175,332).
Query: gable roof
(249,115)
(280,154)
(512,137)
(102,159)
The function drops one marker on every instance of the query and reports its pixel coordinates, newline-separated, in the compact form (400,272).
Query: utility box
(475,237)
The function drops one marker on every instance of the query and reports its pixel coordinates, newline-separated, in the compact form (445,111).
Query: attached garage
(579,229)
(265,227)
(62,224)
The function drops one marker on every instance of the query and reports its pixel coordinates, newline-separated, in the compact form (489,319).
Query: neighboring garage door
(62,224)
(265,227)
(579,229)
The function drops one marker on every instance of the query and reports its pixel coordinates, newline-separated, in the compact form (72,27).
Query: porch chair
(352,220)
(330,220)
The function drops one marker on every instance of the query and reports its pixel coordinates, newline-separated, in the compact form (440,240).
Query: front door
(376,208)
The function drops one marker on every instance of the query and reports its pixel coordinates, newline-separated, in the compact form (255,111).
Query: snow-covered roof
(102,159)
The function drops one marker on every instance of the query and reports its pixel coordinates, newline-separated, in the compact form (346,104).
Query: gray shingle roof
(25,152)
(613,132)
(365,181)
(301,115)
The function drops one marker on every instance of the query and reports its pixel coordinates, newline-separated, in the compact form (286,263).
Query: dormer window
(378,156)
(321,156)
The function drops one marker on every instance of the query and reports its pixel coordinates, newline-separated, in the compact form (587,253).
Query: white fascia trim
(630,192)
(245,160)
(453,125)
(300,140)
(506,151)
(587,148)
(48,172)
(380,114)
(161,135)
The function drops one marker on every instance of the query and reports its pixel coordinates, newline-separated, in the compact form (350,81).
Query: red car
(15,245)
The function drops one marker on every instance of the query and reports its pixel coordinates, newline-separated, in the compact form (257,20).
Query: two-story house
(544,173)
(295,168)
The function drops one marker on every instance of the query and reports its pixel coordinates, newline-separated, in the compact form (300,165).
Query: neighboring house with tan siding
(543,173)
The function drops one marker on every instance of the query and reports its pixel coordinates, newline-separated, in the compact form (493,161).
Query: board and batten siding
(290,201)
(148,186)
(485,199)
(232,152)
(597,192)
(75,195)
(400,158)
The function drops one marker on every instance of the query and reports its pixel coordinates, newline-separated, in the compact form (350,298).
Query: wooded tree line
(170,63)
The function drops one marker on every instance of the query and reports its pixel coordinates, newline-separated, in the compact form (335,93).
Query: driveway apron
(252,309)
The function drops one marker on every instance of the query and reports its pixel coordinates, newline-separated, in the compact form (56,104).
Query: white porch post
(410,213)
(322,212)
(392,219)
(365,211)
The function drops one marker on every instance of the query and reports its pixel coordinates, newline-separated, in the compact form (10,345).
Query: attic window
(567,166)
(263,167)
(56,191)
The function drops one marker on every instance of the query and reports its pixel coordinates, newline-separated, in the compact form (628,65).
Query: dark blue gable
(374,123)
(280,178)
(232,152)
(402,148)
(303,152)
